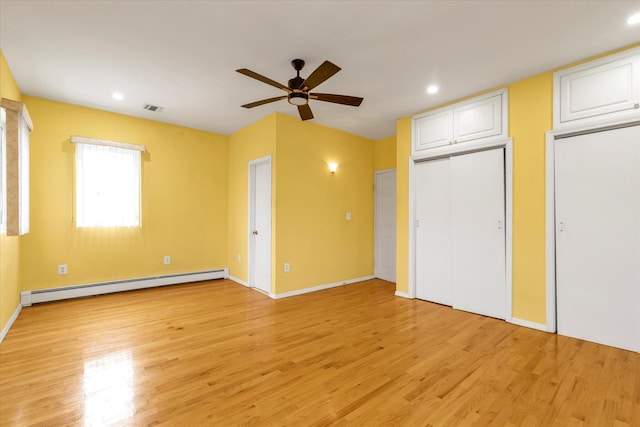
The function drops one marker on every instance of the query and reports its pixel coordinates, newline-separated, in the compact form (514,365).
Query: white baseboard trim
(239,281)
(403,294)
(28,298)
(528,324)
(12,319)
(319,287)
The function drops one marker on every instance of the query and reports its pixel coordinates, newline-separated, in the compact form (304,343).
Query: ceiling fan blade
(305,112)
(322,73)
(263,79)
(337,99)
(264,101)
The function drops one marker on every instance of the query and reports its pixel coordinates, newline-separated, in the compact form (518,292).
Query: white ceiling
(181,55)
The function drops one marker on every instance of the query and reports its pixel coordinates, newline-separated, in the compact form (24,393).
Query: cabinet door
(433,130)
(479,119)
(477,233)
(433,231)
(601,90)
(597,191)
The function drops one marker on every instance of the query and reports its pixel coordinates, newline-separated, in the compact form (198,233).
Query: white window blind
(107,185)
(3,168)
(23,158)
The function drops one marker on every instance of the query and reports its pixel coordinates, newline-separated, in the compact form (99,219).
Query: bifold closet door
(597,190)
(433,231)
(478,235)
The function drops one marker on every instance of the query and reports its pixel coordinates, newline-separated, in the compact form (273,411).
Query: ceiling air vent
(153,108)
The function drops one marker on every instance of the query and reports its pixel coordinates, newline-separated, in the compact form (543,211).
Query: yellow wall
(9,246)
(309,204)
(530,117)
(252,142)
(384,153)
(184,208)
(313,234)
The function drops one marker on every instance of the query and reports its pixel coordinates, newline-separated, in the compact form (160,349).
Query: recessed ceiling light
(117,96)
(432,89)
(634,19)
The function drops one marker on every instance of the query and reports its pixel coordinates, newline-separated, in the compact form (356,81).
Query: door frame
(251,221)
(467,148)
(375,210)
(550,203)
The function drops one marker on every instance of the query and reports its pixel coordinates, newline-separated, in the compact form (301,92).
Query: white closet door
(433,231)
(598,237)
(478,237)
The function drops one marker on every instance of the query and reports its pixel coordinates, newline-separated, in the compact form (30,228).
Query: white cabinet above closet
(477,119)
(604,89)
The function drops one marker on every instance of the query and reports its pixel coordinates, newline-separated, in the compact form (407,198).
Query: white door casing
(597,234)
(385,225)
(260,224)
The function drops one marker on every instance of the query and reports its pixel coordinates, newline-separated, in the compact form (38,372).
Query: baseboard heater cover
(28,298)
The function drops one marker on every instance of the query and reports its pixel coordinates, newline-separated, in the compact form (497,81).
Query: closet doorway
(597,236)
(460,237)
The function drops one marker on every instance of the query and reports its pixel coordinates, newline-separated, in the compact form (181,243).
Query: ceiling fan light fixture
(298,98)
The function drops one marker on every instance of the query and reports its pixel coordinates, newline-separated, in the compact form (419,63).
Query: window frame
(134,150)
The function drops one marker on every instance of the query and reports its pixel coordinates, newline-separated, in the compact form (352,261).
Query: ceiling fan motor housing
(296,83)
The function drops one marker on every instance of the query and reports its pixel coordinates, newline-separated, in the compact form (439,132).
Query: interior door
(385,225)
(260,228)
(478,235)
(597,189)
(433,231)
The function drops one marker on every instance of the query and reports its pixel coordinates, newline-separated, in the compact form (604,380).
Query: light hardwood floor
(216,353)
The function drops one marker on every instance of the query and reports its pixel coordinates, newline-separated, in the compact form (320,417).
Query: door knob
(255,232)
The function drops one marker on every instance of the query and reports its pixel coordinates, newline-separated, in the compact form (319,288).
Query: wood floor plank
(216,353)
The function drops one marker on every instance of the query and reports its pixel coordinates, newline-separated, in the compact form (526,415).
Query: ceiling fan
(298,88)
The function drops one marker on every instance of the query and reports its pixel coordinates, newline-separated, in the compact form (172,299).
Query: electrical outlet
(62,269)
(348,216)
(239,258)
(167,260)
(287,267)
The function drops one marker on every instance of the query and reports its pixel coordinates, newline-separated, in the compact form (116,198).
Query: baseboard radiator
(28,298)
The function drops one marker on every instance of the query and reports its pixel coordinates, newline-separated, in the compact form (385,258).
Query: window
(3,168)
(107,183)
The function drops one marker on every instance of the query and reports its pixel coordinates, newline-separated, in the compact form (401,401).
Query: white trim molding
(528,324)
(105,142)
(12,319)
(28,298)
(403,295)
(319,287)
(239,281)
